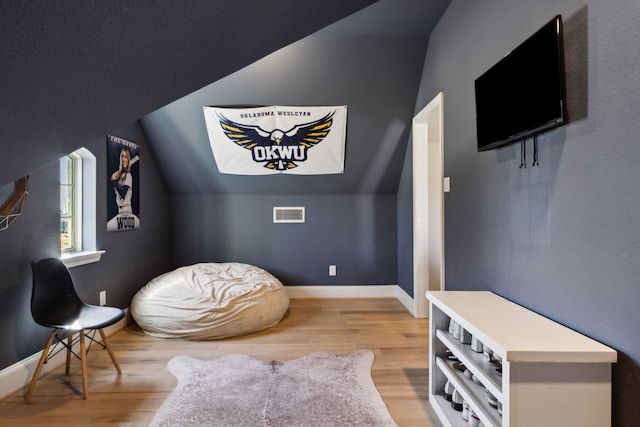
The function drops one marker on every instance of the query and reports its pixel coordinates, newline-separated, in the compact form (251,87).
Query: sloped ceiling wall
(371,62)
(72,71)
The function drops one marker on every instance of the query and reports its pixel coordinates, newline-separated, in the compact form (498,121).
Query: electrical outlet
(103,297)
(332,270)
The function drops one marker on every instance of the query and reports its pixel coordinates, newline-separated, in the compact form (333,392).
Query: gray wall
(125,267)
(355,233)
(405,224)
(74,70)
(323,69)
(562,238)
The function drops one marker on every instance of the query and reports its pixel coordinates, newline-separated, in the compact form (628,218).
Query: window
(71,203)
(78,208)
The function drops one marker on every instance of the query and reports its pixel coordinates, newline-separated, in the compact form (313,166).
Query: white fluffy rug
(318,389)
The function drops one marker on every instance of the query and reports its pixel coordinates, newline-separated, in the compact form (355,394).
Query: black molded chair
(56,304)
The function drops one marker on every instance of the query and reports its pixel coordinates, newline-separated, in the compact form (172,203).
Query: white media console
(539,372)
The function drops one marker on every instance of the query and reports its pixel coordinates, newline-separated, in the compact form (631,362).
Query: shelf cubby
(551,375)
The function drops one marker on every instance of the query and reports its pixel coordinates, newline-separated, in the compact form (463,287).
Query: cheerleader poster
(123,195)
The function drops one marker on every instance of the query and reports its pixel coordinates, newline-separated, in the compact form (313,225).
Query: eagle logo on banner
(277,149)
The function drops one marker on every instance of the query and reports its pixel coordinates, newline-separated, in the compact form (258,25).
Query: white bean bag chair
(210,301)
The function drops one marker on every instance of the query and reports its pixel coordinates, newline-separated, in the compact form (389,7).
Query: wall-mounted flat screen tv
(523,94)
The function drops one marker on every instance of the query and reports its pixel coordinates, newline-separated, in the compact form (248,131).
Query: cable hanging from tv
(523,153)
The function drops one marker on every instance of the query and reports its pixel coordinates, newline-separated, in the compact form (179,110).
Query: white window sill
(81,258)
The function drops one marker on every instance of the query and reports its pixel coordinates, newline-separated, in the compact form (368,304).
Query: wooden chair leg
(69,342)
(111,353)
(43,358)
(83,363)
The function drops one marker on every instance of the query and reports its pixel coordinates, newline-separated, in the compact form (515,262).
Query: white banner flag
(277,139)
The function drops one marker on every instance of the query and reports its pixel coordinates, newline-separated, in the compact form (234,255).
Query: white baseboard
(407,301)
(17,376)
(382,291)
(373,291)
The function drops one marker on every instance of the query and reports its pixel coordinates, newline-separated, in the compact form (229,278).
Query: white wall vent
(288,214)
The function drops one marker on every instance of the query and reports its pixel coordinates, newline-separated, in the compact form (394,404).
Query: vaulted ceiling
(73,71)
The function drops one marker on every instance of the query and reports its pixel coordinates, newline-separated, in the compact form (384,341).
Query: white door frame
(428,203)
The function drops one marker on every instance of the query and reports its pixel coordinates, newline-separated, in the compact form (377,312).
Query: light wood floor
(400,370)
